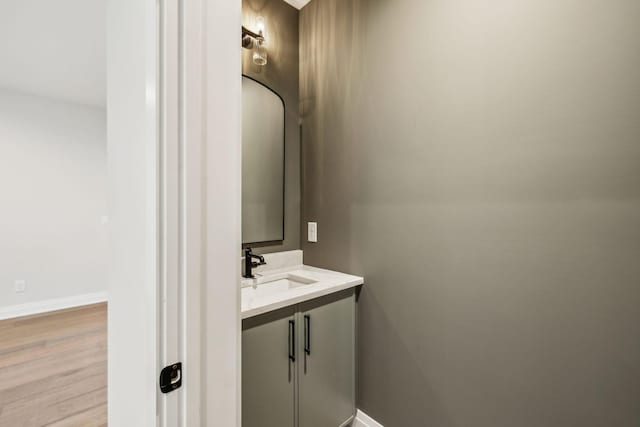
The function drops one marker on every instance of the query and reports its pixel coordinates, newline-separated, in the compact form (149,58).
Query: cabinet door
(327,360)
(269,369)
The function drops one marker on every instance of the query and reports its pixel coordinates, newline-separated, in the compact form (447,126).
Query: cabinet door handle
(307,334)
(292,340)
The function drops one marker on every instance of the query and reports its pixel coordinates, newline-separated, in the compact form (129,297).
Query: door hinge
(171,378)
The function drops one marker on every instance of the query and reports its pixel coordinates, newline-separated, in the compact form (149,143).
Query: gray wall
(280,74)
(479,164)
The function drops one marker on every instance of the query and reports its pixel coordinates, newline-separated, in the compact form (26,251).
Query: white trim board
(38,307)
(364,420)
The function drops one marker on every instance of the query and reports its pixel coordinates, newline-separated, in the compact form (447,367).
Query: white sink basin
(274,284)
(288,285)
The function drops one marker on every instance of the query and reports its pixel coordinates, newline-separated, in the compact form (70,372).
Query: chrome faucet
(249,264)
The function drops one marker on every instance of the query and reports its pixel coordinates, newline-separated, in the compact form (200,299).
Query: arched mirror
(262,163)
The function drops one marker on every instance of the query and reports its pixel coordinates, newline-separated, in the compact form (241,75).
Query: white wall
(52,198)
(64,37)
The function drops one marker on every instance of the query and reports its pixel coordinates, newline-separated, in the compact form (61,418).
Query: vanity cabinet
(298,364)
(326,370)
(268,373)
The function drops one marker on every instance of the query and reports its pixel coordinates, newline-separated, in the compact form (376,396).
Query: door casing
(174,148)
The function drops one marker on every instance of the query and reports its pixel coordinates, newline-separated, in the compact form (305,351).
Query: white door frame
(175,156)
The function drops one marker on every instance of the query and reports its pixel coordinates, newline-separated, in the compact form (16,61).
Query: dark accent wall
(281,74)
(479,164)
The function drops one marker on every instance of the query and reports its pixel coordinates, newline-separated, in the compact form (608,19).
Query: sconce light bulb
(260,54)
(260,24)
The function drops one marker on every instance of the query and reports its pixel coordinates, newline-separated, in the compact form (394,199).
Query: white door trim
(200,149)
(364,420)
(132,149)
(175,157)
(171,250)
(222,169)
(192,132)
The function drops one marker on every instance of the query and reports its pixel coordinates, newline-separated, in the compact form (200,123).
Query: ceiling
(55,49)
(298,3)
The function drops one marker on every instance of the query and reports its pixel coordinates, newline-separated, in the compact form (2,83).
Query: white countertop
(269,291)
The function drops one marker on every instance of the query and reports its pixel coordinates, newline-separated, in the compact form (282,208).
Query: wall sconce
(256,41)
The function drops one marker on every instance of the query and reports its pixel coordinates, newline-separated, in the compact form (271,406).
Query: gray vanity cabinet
(298,365)
(268,372)
(326,383)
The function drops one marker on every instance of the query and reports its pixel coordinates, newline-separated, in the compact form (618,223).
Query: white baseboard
(39,307)
(364,420)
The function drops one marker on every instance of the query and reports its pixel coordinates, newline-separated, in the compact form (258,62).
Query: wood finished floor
(53,369)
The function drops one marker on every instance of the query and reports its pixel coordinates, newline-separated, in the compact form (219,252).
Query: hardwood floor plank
(27,333)
(54,369)
(93,417)
(32,354)
(54,365)
(33,388)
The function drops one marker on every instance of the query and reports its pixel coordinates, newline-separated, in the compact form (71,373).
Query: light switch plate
(312,232)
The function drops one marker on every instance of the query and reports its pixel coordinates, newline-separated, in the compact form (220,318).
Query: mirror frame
(284,173)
